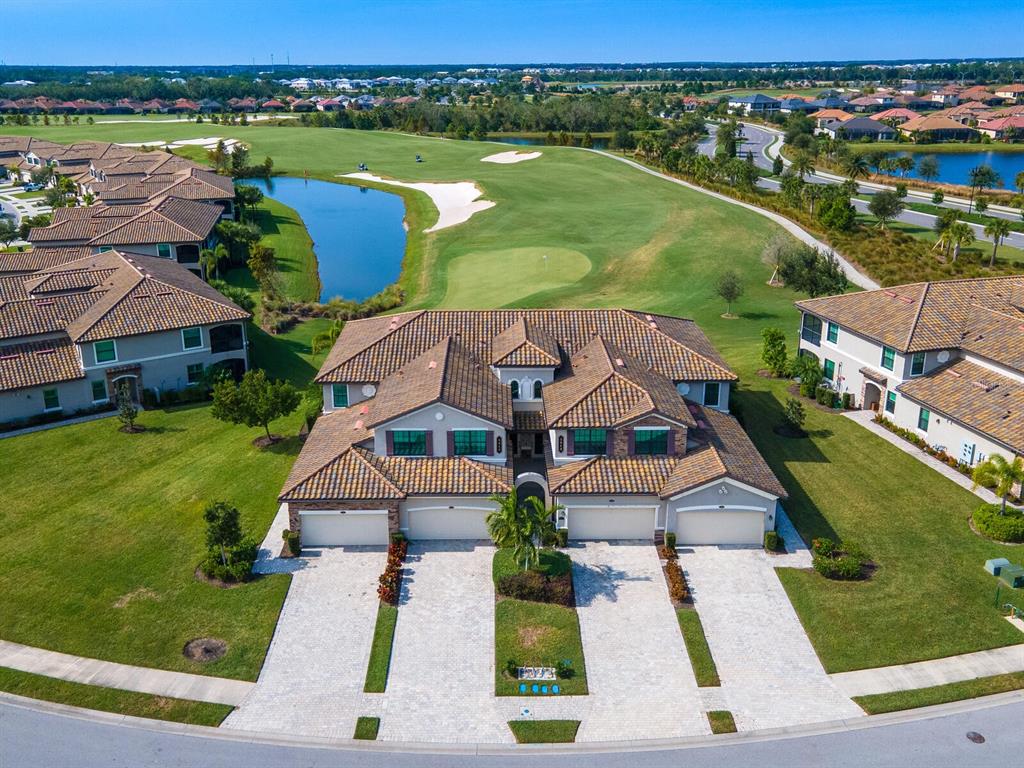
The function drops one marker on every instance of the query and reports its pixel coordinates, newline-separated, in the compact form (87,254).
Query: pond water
(538,141)
(954,167)
(357,232)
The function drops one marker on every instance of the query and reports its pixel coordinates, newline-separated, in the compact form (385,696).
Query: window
(409,442)
(712,391)
(194,373)
(514,386)
(917,364)
(811,330)
(890,402)
(536,390)
(105,248)
(191,338)
(99,390)
(650,442)
(225,338)
(470,442)
(830,370)
(51,400)
(833,332)
(339,395)
(888,358)
(163,250)
(589,442)
(922,419)
(105,351)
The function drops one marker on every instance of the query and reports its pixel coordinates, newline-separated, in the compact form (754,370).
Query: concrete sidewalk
(924,674)
(160,682)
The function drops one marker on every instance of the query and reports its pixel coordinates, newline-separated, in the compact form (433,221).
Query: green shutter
(51,399)
(339,395)
(99,390)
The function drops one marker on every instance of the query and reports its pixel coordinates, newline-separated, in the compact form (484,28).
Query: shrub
(238,568)
(389,583)
(772,541)
(170,397)
(677,588)
(773,351)
(670,539)
(562,536)
(524,585)
(825,396)
(843,562)
(149,399)
(793,413)
(1009,527)
(564,670)
(511,667)
(823,546)
(847,401)
(293,541)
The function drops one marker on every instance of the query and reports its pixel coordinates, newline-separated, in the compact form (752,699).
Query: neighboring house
(1004,128)
(172,228)
(619,416)
(942,359)
(872,103)
(824,116)
(858,128)
(1013,92)
(71,333)
(895,116)
(755,104)
(796,104)
(935,128)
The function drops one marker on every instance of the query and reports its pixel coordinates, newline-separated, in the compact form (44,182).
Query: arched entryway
(872,396)
(127,380)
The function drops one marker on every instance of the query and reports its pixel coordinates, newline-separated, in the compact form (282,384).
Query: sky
(187,32)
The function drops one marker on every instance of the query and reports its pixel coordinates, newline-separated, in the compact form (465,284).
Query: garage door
(332,529)
(720,526)
(609,523)
(434,523)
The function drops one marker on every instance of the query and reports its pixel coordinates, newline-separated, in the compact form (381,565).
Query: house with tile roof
(858,128)
(935,128)
(620,417)
(754,104)
(73,332)
(943,359)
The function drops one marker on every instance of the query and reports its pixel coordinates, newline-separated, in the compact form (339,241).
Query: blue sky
(475,31)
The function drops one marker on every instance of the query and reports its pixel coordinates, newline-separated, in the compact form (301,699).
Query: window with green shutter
(105,351)
(99,390)
(470,442)
(922,419)
(917,364)
(339,395)
(888,358)
(890,402)
(833,332)
(51,400)
(191,338)
(830,369)
(650,442)
(589,442)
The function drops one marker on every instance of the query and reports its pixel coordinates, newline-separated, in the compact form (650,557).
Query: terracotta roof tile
(32,363)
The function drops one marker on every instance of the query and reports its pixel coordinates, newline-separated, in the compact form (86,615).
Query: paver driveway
(771,676)
(312,680)
(441,683)
(640,679)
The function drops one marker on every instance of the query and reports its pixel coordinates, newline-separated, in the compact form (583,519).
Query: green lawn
(940,694)
(29,195)
(697,648)
(977,218)
(544,731)
(380,651)
(366,728)
(286,234)
(111,700)
(721,721)
(552,563)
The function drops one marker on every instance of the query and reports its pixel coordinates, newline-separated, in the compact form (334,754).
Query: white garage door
(332,529)
(719,526)
(609,523)
(431,524)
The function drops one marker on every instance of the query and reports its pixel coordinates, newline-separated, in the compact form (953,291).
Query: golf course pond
(954,167)
(357,233)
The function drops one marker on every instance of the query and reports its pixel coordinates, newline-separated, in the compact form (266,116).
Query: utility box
(995,565)
(1013,575)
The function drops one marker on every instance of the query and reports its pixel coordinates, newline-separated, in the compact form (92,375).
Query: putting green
(512,273)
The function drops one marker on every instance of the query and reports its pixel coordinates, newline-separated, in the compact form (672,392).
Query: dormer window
(536,390)
(514,386)
(650,442)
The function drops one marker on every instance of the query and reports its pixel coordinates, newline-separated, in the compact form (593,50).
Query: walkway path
(856,277)
(924,674)
(867,420)
(160,682)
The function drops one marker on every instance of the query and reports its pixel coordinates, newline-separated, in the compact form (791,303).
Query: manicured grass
(380,651)
(721,721)
(977,218)
(111,699)
(544,731)
(518,272)
(537,634)
(29,195)
(285,232)
(552,563)
(697,648)
(366,728)
(940,694)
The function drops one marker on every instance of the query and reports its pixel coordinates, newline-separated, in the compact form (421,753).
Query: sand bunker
(510,157)
(455,201)
(208,143)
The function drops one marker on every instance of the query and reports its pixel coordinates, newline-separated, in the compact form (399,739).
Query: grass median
(380,650)
(544,731)
(697,648)
(880,703)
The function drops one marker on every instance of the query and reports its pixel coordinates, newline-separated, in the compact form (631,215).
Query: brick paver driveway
(771,676)
(312,680)
(441,683)
(640,679)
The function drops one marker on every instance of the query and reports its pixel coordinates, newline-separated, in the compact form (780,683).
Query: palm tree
(982,177)
(997,229)
(997,472)
(211,259)
(802,164)
(960,234)
(812,192)
(518,527)
(856,166)
(326,339)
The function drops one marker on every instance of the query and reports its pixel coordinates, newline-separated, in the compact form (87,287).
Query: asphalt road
(33,738)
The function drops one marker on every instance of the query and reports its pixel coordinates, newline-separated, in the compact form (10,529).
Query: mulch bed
(265,442)
(204,649)
(794,390)
(200,576)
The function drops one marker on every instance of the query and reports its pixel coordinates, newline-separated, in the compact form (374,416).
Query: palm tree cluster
(521,526)
(953,233)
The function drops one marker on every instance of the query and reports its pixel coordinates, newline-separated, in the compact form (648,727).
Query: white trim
(451,506)
(731,481)
(96,358)
(197,350)
(192,328)
(724,507)
(704,395)
(651,429)
(328,512)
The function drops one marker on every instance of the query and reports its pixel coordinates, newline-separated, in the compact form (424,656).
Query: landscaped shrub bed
(390,582)
(912,437)
(550,581)
(678,591)
(1008,527)
(238,567)
(843,561)
(52,418)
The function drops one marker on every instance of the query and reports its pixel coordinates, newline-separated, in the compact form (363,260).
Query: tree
(263,265)
(8,231)
(802,164)
(808,270)
(885,206)
(904,164)
(1001,475)
(998,230)
(773,253)
(836,211)
(622,140)
(325,339)
(812,192)
(730,288)
(212,258)
(127,411)
(220,158)
(938,197)
(981,177)
(773,350)
(808,370)
(520,526)
(247,197)
(239,237)
(223,528)
(1018,182)
(255,401)
(794,415)
(960,234)
(778,166)
(856,166)
(981,205)
(928,168)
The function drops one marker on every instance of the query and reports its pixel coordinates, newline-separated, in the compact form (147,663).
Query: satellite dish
(683,388)
(943,356)
(369,390)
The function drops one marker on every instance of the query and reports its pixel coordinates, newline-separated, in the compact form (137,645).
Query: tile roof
(976,397)
(529,421)
(41,258)
(524,344)
(32,316)
(932,123)
(32,363)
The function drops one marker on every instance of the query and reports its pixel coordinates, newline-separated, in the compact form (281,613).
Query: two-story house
(945,359)
(756,104)
(619,417)
(70,335)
